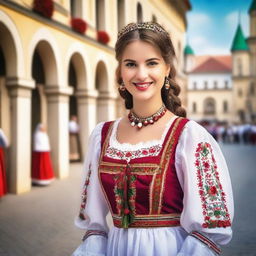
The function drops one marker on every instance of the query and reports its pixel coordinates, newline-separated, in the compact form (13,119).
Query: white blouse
(200,166)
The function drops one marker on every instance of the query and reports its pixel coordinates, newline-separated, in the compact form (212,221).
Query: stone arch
(101,77)
(12,47)
(76,55)
(101,85)
(46,45)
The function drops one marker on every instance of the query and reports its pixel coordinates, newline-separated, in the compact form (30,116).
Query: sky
(212,25)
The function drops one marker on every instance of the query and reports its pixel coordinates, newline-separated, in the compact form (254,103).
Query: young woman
(42,171)
(162,177)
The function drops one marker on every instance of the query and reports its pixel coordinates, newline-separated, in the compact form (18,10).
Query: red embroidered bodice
(144,192)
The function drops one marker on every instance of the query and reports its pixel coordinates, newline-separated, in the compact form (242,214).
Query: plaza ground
(40,223)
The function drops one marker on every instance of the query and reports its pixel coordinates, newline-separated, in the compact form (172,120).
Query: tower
(240,76)
(189,57)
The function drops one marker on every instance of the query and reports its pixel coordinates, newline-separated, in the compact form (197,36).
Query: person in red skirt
(42,171)
(3,144)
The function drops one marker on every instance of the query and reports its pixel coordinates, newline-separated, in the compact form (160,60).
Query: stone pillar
(19,177)
(106,106)
(57,123)
(87,115)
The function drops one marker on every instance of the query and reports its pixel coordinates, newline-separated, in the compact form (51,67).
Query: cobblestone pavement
(40,223)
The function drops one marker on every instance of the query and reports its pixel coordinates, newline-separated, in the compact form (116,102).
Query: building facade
(223,88)
(48,71)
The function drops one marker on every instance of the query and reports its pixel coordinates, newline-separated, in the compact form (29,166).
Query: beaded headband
(143,25)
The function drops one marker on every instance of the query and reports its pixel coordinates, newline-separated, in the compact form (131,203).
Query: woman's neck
(145,109)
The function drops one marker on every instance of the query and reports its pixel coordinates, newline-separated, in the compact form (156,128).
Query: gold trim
(168,148)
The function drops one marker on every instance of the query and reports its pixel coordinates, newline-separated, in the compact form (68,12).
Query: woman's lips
(142,86)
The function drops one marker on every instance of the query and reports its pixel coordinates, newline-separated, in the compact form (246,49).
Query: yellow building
(223,88)
(48,71)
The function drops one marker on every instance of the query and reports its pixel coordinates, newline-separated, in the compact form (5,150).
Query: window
(226,84)
(209,106)
(252,88)
(100,14)
(215,84)
(154,19)
(139,13)
(225,106)
(240,93)
(205,84)
(194,85)
(194,107)
(239,67)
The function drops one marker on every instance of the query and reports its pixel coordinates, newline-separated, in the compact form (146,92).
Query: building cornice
(54,24)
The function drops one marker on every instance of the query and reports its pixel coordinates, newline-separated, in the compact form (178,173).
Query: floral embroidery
(210,189)
(84,194)
(125,193)
(127,155)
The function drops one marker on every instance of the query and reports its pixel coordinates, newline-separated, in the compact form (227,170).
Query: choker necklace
(144,121)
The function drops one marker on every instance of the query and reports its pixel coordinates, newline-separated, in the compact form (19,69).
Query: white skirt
(145,241)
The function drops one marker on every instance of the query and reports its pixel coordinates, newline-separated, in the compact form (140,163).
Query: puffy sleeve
(93,209)
(208,200)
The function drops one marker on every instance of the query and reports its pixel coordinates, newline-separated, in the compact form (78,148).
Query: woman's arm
(93,209)
(208,199)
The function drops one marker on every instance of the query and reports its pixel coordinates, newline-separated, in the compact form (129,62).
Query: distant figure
(3,144)
(74,145)
(42,171)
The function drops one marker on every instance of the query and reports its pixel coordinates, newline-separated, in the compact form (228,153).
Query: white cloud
(211,50)
(232,20)
(198,20)
(202,46)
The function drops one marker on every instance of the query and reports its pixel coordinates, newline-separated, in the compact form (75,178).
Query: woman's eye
(152,63)
(130,64)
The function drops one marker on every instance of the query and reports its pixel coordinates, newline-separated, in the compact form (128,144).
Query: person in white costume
(162,177)
(42,170)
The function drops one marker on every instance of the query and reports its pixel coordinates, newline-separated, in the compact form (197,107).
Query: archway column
(58,118)
(19,178)
(87,114)
(106,106)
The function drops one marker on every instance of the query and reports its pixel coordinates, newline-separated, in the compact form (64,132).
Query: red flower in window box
(44,7)
(79,25)
(103,37)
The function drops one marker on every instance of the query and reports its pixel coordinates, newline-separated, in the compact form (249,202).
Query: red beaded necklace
(140,122)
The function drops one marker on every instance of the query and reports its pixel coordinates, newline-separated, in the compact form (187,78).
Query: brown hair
(163,42)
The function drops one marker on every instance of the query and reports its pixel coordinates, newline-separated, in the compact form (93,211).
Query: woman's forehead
(141,50)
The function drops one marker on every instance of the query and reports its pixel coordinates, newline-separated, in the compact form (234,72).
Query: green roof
(188,50)
(239,42)
(253,6)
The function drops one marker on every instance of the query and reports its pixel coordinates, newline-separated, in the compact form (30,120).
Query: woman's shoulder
(193,129)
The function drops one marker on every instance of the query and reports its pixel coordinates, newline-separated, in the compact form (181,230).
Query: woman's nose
(142,73)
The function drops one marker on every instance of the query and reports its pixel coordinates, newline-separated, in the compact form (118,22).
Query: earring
(122,87)
(167,83)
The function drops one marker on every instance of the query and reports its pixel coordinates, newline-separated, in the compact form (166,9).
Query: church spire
(239,42)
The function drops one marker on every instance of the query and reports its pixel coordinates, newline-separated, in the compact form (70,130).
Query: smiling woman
(162,176)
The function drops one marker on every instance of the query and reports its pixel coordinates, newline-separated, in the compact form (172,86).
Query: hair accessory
(143,25)
(122,87)
(140,122)
(167,83)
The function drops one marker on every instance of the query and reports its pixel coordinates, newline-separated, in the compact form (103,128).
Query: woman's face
(143,71)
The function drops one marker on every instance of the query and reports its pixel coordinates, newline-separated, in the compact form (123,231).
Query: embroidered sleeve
(93,207)
(204,177)
(213,198)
